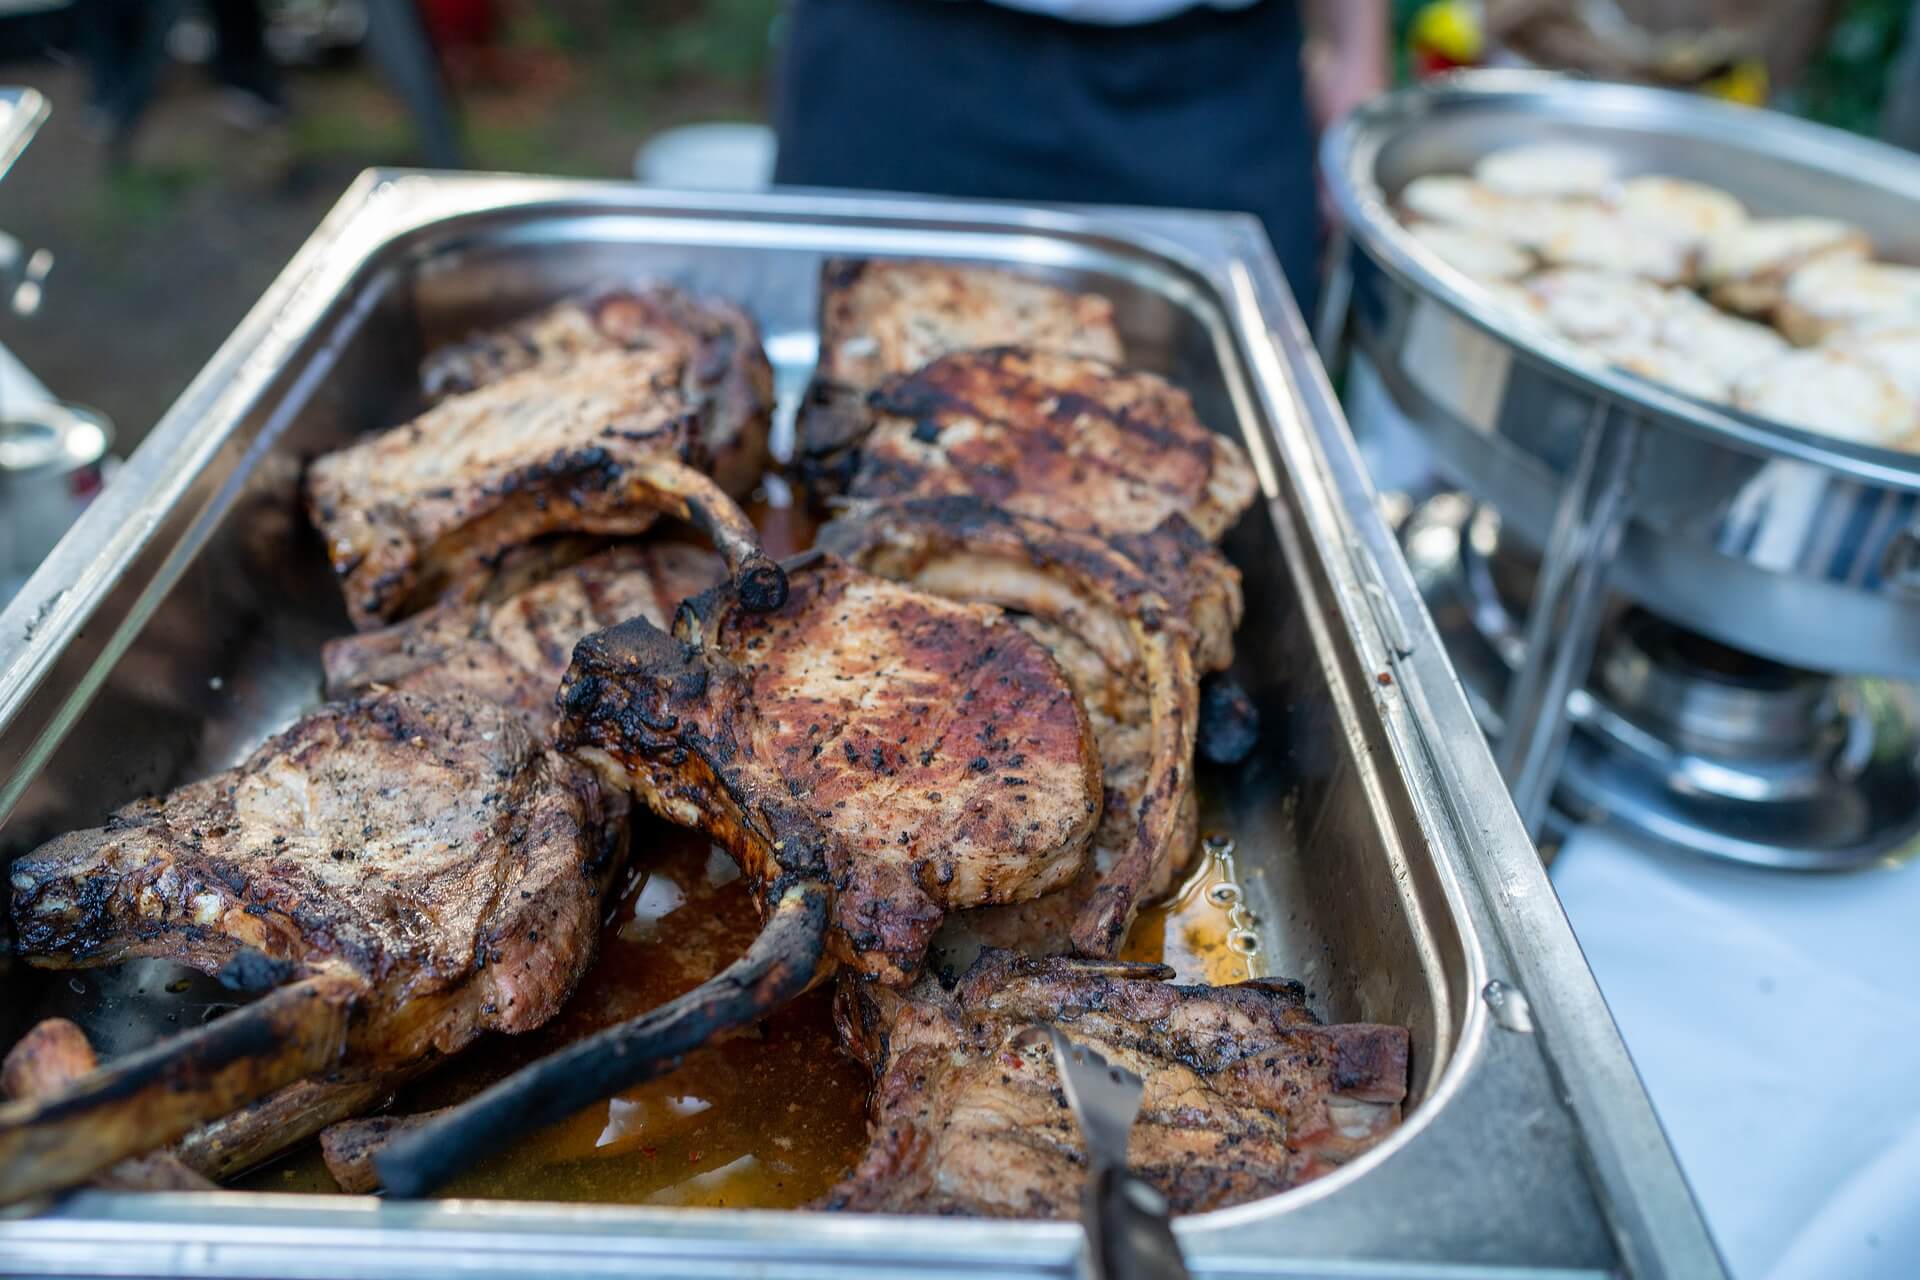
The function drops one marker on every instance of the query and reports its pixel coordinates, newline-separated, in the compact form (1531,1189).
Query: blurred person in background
(125,45)
(1207,104)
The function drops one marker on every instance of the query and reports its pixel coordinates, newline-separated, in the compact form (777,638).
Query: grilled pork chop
(882,319)
(1089,448)
(1130,655)
(726,378)
(514,652)
(1070,440)
(595,444)
(918,754)
(872,757)
(426,861)
(1246,1093)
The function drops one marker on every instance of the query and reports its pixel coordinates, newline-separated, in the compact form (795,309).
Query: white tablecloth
(1776,1021)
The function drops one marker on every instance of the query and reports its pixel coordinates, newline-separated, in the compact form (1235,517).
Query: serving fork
(1129,1230)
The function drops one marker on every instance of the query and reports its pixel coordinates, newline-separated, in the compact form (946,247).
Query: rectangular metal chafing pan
(180,621)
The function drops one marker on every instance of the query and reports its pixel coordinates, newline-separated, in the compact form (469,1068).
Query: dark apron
(1203,110)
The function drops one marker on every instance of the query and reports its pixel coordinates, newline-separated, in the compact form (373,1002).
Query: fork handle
(1128,1231)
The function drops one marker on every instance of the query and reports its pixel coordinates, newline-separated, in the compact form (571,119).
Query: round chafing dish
(1786,544)
(1796,546)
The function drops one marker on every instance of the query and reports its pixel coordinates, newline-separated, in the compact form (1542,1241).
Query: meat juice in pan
(768,1118)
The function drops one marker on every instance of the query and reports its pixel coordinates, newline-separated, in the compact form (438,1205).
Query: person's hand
(1341,75)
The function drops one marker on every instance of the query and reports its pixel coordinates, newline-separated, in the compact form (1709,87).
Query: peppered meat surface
(880,319)
(1246,1093)
(1071,440)
(596,444)
(1204,587)
(914,754)
(726,376)
(1200,583)
(1130,657)
(514,651)
(430,851)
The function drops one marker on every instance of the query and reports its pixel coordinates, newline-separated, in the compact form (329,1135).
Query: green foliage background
(1846,81)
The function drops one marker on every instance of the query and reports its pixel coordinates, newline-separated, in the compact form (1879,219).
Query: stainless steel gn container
(180,621)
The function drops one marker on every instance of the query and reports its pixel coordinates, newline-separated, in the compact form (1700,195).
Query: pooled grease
(771,1115)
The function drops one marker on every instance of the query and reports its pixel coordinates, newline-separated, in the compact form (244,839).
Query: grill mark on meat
(727,379)
(1246,1093)
(718,726)
(1071,440)
(882,319)
(597,444)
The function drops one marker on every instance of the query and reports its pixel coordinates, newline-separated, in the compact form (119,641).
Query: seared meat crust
(50,1058)
(917,755)
(431,851)
(1074,441)
(1203,586)
(1130,658)
(513,652)
(882,319)
(1199,583)
(727,378)
(879,319)
(1246,1093)
(593,445)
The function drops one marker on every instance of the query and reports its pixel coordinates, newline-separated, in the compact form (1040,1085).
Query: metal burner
(1678,737)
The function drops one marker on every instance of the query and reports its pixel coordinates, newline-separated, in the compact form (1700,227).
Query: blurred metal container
(22,112)
(52,455)
(1786,543)
(52,460)
(1780,542)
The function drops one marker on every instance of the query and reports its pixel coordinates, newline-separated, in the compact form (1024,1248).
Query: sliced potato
(1725,345)
(1548,169)
(1582,234)
(1474,253)
(1681,209)
(1834,393)
(1459,201)
(1745,267)
(1832,294)
(1600,306)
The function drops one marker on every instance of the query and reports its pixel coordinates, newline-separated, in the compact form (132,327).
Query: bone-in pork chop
(918,754)
(1130,655)
(1246,1093)
(596,444)
(1070,440)
(726,377)
(514,651)
(880,319)
(431,849)
(426,862)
